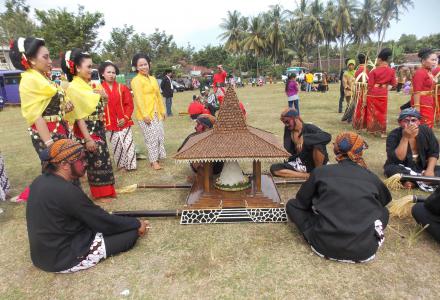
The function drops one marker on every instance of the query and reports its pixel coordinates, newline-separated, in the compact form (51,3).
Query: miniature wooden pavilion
(232,141)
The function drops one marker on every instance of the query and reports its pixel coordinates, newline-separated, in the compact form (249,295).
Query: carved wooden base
(198,198)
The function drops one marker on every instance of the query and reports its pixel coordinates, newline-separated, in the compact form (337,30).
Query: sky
(197,21)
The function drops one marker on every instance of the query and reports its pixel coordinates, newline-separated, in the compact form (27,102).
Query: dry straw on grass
(401,207)
(393,183)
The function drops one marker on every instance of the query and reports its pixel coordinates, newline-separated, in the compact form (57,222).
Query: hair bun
(424,53)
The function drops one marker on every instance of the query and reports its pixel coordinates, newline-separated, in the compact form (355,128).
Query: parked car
(178,87)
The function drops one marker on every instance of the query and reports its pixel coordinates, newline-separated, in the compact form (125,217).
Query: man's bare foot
(408,185)
(156,166)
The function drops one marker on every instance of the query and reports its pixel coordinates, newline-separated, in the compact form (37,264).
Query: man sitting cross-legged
(67,231)
(412,149)
(307,144)
(340,209)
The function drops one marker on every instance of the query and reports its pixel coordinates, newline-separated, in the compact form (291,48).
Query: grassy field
(264,261)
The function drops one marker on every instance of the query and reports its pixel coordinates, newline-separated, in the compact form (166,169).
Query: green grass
(265,261)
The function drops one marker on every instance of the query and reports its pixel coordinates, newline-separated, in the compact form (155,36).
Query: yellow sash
(83,99)
(36,91)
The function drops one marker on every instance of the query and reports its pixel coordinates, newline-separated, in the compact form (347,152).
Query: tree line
(313,31)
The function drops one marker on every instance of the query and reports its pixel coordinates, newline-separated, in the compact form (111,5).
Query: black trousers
(120,242)
(424,216)
(341,100)
(391,169)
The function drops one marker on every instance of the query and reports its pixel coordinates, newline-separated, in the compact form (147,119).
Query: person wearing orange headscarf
(340,209)
(67,232)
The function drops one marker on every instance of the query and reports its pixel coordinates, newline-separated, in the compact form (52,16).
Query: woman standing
(118,121)
(42,103)
(150,111)
(88,118)
(4,181)
(379,79)
(423,84)
(292,91)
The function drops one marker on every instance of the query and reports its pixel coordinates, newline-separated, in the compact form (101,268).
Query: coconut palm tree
(344,18)
(389,10)
(315,30)
(255,41)
(232,32)
(298,38)
(365,23)
(275,34)
(329,29)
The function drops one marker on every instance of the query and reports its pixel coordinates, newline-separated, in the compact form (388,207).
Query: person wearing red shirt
(218,83)
(423,84)
(118,121)
(359,120)
(379,80)
(196,108)
(436,74)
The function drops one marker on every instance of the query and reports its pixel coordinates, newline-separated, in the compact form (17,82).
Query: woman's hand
(91,145)
(121,123)
(147,120)
(69,106)
(299,144)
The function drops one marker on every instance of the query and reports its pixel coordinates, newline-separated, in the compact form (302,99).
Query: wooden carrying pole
(149,213)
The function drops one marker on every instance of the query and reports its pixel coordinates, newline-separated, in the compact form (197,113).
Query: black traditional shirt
(62,222)
(336,208)
(313,137)
(427,146)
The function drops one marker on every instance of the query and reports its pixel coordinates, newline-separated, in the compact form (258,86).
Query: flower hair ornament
(24,61)
(133,68)
(69,63)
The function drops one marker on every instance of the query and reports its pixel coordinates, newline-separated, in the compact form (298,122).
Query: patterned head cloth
(206,120)
(409,112)
(350,145)
(290,113)
(63,150)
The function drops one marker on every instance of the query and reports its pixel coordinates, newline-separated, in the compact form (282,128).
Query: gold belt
(423,93)
(95,118)
(53,118)
(379,85)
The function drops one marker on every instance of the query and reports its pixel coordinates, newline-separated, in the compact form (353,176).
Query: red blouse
(422,81)
(119,106)
(379,78)
(219,78)
(361,70)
